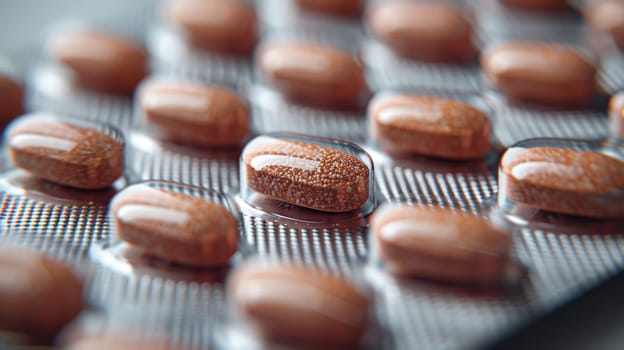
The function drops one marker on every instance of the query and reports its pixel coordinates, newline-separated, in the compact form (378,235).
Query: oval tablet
(38,295)
(177,227)
(306,174)
(563,180)
(297,306)
(193,114)
(313,74)
(538,5)
(429,126)
(441,244)
(100,61)
(608,16)
(342,8)
(11,100)
(225,26)
(423,31)
(549,74)
(616,114)
(110,340)
(65,153)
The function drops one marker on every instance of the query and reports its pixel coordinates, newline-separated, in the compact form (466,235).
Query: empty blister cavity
(428,146)
(207,40)
(421,44)
(334,313)
(307,179)
(517,121)
(556,182)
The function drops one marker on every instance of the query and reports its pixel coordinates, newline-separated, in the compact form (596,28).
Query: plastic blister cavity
(307,180)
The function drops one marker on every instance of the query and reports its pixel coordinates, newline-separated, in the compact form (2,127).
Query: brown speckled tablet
(225,26)
(38,295)
(306,174)
(616,114)
(342,8)
(297,306)
(65,153)
(11,100)
(111,341)
(176,227)
(423,31)
(564,180)
(608,17)
(441,244)
(100,61)
(549,74)
(429,126)
(193,114)
(313,74)
(537,5)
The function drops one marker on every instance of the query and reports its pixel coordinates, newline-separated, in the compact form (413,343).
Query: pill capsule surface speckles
(564,181)
(313,74)
(306,174)
(194,114)
(440,244)
(225,26)
(297,306)
(65,153)
(38,295)
(11,99)
(616,114)
(429,126)
(342,8)
(175,227)
(100,61)
(548,74)
(423,31)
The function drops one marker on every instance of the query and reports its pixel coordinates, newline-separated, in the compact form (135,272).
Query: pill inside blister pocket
(616,114)
(343,8)
(194,114)
(607,17)
(537,5)
(426,31)
(442,244)
(225,26)
(292,305)
(176,227)
(306,174)
(64,152)
(430,126)
(11,99)
(313,74)
(549,74)
(564,180)
(100,61)
(38,295)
